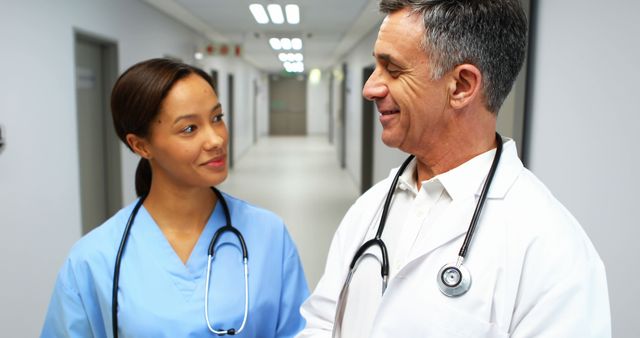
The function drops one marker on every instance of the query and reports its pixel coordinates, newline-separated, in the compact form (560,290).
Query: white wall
(244,77)
(359,58)
(318,105)
(39,189)
(584,132)
(384,158)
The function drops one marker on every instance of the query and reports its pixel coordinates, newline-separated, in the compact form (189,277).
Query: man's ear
(139,145)
(464,86)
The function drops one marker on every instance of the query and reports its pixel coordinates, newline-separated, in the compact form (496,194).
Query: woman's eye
(189,129)
(217,118)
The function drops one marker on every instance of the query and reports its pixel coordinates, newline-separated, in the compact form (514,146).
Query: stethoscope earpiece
(454,279)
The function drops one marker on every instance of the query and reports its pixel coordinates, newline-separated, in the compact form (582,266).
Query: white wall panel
(39,185)
(584,132)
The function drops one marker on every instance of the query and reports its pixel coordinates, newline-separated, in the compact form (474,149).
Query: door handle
(1,140)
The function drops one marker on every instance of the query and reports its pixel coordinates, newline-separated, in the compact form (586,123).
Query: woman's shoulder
(104,239)
(237,205)
(245,212)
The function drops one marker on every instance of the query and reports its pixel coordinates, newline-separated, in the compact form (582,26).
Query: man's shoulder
(536,215)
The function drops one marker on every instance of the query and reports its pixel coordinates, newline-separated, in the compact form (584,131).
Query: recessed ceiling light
(275,43)
(294,67)
(259,13)
(286,43)
(293,14)
(275,13)
(315,76)
(296,43)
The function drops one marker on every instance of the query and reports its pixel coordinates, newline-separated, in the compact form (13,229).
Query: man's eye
(394,71)
(217,118)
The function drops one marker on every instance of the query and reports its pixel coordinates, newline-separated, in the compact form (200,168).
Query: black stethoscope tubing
(377,240)
(125,236)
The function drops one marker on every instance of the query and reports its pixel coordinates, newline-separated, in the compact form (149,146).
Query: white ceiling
(328,28)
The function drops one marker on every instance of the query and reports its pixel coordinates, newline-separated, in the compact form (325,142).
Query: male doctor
(443,69)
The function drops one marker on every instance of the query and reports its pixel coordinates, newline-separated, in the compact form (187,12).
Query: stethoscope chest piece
(454,280)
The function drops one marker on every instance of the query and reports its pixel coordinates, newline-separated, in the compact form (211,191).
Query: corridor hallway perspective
(299,178)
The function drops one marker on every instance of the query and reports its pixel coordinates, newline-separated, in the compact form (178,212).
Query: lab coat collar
(464,184)
(469,178)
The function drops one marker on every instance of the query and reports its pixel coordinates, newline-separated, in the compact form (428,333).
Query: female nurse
(169,114)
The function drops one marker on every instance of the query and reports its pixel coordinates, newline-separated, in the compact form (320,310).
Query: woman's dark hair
(136,100)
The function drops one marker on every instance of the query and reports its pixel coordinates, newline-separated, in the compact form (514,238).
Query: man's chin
(390,141)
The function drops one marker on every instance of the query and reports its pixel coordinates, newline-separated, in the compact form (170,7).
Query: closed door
(98,146)
(288,105)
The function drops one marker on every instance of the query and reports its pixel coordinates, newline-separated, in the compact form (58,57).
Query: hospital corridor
(285,79)
(298,178)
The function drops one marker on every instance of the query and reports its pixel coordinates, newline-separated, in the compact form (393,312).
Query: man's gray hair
(490,34)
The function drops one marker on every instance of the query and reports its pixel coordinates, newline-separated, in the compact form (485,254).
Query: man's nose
(374,88)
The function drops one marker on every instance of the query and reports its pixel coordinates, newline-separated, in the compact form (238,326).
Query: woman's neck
(181,214)
(180,209)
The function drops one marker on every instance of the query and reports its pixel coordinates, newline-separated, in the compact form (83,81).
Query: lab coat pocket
(456,323)
(412,309)
(435,321)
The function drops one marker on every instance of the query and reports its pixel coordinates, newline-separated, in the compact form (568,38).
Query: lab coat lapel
(454,223)
(456,218)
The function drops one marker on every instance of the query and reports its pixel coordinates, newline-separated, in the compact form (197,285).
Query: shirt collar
(407,181)
(468,178)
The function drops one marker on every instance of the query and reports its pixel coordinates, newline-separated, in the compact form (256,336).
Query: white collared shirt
(534,271)
(413,212)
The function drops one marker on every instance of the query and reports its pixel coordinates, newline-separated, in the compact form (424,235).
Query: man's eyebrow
(383,57)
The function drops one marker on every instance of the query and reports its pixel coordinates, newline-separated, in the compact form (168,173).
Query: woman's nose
(214,138)
(374,88)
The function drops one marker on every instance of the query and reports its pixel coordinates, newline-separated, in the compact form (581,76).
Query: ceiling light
(294,67)
(315,76)
(293,14)
(285,43)
(259,13)
(275,43)
(275,13)
(282,57)
(198,56)
(298,57)
(296,43)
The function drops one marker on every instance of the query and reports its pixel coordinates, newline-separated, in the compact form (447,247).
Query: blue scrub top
(159,296)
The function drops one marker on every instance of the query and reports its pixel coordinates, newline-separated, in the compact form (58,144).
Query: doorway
(342,118)
(230,113)
(368,126)
(96,69)
(288,104)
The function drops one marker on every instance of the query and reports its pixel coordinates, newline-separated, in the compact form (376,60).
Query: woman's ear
(465,86)
(139,145)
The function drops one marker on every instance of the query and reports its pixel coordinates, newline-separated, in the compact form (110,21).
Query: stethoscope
(453,279)
(227,228)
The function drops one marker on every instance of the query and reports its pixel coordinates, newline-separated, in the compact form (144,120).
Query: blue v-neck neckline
(184,275)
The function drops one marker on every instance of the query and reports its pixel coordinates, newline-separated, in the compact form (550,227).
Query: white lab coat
(534,271)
